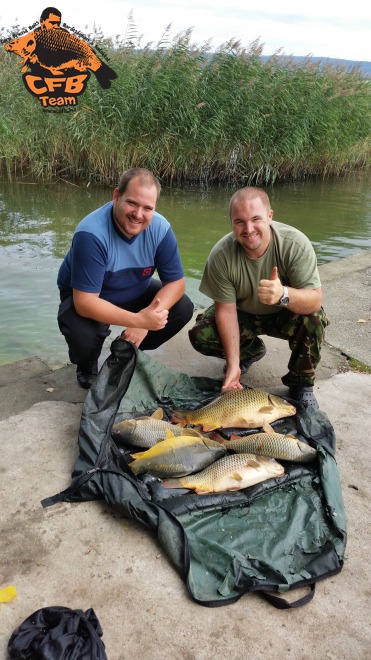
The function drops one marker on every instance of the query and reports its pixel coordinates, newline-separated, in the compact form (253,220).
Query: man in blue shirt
(106,277)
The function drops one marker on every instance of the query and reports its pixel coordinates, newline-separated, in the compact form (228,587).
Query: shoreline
(347,295)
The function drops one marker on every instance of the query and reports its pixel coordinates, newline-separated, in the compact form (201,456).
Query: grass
(225,118)
(359,367)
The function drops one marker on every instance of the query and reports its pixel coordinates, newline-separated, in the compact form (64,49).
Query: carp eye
(30,42)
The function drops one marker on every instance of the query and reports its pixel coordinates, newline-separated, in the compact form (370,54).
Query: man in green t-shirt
(264,280)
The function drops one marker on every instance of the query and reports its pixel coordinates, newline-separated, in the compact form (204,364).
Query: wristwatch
(285,297)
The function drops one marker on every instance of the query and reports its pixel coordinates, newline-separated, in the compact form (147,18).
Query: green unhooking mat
(281,534)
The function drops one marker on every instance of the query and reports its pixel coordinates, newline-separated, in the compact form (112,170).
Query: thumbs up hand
(153,317)
(274,273)
(270,291)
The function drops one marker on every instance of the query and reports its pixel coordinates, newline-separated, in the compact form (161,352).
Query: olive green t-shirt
(231,276)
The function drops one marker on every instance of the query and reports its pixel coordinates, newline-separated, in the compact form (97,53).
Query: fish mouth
(276,401)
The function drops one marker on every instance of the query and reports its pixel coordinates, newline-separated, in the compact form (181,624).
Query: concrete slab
(347,301)
(85,555)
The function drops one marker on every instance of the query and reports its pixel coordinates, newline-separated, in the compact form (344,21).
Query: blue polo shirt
(102,260)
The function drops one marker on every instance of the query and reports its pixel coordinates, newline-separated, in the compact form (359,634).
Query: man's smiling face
(251,222)
(134,209)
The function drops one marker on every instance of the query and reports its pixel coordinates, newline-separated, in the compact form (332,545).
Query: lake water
(37,224)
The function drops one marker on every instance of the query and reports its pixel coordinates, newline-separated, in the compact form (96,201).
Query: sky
(322,28)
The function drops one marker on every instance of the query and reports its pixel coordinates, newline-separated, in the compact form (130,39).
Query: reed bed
(192,116)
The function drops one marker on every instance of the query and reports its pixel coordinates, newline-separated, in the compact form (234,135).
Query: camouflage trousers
(305,335)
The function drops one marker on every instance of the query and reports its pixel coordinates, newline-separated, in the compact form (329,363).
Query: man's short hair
(145,177)
(249,192)
(50,10)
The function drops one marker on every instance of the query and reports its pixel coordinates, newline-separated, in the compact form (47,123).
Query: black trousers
(85,337)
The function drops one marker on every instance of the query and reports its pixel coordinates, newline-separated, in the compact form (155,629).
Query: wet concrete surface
(86,555)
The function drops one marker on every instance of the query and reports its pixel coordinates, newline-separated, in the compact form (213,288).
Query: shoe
(246,364)
(304,394)
(86,374)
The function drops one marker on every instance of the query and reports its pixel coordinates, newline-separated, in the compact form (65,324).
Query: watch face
(285,298)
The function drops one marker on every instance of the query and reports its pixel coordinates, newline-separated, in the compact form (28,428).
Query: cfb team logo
(56,64)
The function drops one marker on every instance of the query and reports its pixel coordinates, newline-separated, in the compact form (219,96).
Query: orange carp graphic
(56,64)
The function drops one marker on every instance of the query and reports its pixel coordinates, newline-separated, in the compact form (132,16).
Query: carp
(276,445)
(23,46)
(246,409)
(147,431)
(232,472)
(59,50)
(177,456)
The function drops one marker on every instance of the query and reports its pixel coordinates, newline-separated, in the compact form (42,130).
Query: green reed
(192,116)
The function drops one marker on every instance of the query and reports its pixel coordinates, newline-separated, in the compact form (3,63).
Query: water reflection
(336,215)
(41,219)
(37,224)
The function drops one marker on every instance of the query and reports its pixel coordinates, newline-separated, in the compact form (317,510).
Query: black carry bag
(270,538)
(58,633)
